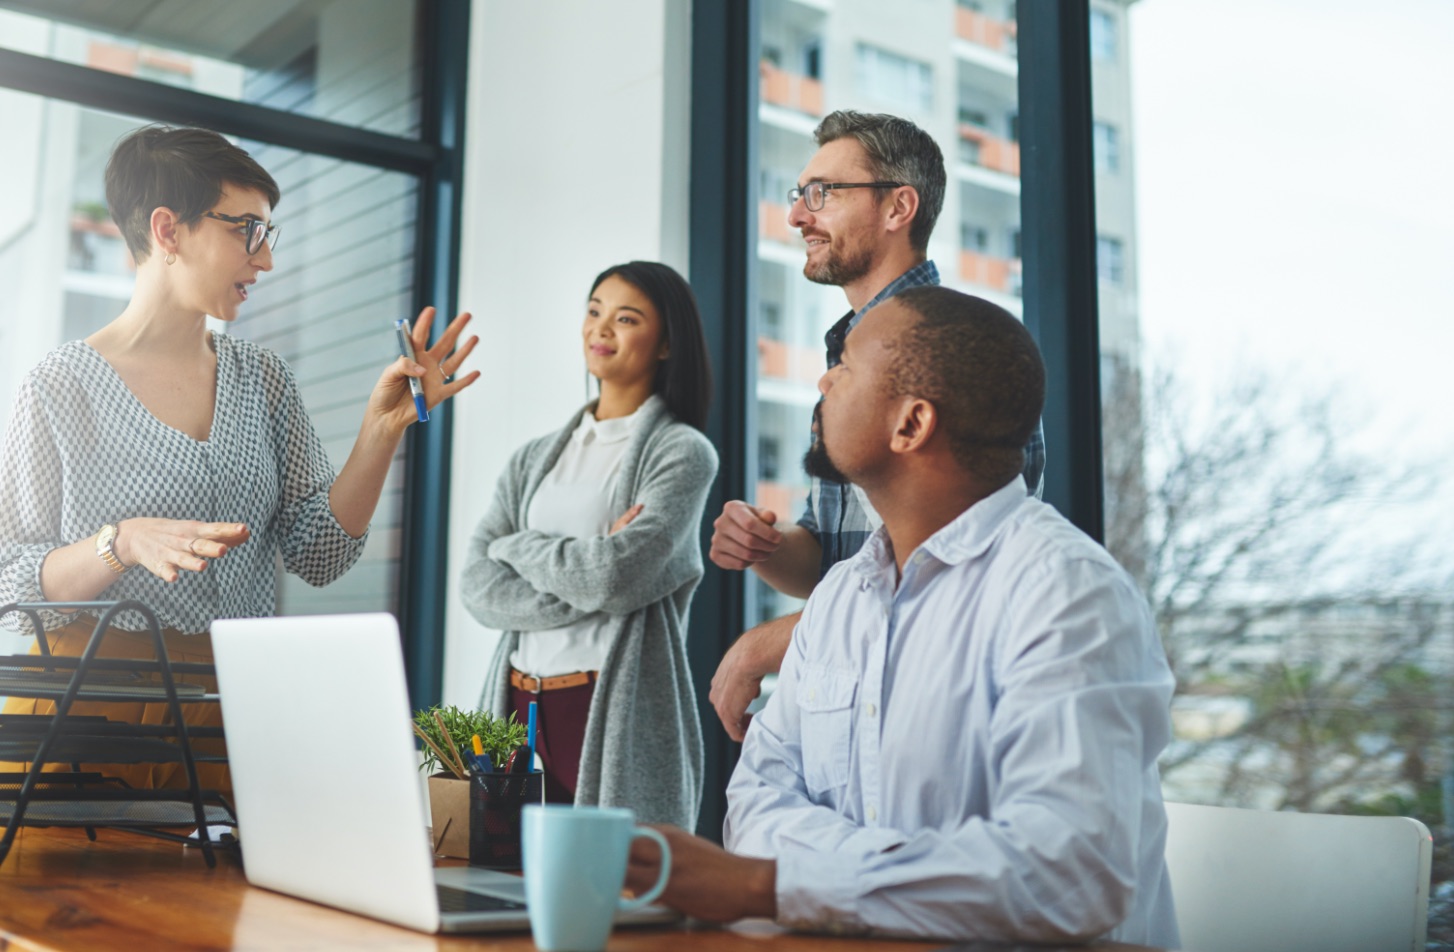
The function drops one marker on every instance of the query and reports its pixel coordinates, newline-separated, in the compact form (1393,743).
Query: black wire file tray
(88,798)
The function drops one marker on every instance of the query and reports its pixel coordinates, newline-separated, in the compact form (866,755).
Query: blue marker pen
(401,328)
(530,734)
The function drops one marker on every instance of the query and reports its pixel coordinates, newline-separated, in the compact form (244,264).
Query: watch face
(105,537)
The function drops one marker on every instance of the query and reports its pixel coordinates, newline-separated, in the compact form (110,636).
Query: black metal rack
(90,799)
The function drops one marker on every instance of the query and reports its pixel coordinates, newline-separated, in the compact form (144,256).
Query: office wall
(576,158)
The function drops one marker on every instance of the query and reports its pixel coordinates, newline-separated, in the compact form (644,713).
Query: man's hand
(743,535)
(760,651)
(706,881)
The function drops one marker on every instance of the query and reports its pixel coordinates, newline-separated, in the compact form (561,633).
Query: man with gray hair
(866,205)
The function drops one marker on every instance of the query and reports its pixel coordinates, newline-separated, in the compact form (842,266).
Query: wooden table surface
(58,891)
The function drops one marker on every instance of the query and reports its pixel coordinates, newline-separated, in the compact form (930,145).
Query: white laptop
(324,770)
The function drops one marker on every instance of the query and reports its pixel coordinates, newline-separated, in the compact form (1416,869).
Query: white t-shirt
(574,500)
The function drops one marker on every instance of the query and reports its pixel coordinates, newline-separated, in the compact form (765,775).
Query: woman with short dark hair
(159,461)
(589,556)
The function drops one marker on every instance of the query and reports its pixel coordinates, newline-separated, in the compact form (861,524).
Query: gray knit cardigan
(643,741)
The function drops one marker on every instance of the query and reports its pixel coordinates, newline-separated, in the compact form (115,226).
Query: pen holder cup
(496,800)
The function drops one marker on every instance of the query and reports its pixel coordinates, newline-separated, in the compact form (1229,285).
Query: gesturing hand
(165,546)
(743,535)
(433,366)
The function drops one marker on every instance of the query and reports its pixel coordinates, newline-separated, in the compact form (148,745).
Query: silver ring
(192,547)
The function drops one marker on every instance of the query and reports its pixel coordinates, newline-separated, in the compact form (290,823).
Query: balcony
(772,223)
(781,361)
(789,90)
(988,32)
(785,501)
(979,146)
(987,271)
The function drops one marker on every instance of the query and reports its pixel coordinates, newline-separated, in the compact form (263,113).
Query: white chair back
(1249,880)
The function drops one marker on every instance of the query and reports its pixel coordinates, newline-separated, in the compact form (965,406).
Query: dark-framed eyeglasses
(258,230)
(815,193)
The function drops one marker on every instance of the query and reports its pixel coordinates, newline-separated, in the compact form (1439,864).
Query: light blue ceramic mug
(575,866)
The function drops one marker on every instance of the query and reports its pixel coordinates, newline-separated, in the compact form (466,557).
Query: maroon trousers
(560,729)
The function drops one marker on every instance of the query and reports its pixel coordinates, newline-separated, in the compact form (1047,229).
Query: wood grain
(59,891)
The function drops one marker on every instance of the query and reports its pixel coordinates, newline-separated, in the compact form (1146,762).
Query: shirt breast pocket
(825,711)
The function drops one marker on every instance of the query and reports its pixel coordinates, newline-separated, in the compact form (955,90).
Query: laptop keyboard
(459,900)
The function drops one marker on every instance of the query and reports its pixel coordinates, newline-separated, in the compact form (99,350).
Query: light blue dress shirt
(970,754)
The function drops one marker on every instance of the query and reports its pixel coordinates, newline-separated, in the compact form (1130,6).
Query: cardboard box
(449,810)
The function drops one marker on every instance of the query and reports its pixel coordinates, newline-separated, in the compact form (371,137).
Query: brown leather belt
(535,685)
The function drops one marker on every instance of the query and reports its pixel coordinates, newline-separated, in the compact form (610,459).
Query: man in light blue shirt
(963,741)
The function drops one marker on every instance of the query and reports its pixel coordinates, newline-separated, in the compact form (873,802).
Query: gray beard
(839,270)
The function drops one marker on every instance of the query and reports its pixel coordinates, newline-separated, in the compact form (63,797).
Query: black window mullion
(723,271)
(158,102)
(1057,212)
(423,585)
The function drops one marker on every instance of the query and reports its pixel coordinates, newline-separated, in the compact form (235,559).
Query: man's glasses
(815,193)
(258,230)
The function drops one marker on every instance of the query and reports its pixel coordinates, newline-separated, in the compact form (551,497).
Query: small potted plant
(448,736)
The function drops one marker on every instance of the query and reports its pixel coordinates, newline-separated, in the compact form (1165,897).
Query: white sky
(1294,165)
(1295,190)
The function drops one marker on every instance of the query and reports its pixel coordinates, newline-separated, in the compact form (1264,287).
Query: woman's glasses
(258,230)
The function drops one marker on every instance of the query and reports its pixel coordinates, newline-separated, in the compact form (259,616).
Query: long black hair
(684,378)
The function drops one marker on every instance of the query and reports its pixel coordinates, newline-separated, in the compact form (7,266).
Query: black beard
(816,462)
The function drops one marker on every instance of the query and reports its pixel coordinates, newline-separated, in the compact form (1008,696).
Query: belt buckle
(538,682)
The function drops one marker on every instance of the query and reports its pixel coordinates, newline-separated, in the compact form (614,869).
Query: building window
(813,59)
(1110,260)
(1102,36)
(1107,140)
(895,80)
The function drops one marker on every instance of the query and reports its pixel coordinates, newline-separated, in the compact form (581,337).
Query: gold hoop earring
(171,258)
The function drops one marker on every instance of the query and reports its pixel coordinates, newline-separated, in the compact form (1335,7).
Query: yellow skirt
(72,640)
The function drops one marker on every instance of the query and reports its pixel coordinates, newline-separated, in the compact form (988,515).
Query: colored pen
(401,328)
(530,734)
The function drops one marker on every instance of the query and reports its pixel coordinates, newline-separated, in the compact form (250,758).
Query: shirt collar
(967,536)
(921,274)
(614,430)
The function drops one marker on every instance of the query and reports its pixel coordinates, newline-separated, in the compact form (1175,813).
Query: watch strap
(105,550)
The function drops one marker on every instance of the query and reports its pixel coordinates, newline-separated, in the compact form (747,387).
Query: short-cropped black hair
(980,368)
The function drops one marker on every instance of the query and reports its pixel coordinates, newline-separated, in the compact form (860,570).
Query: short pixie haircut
(182,169)
(684,378)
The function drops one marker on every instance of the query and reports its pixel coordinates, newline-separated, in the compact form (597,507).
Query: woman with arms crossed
(589,555)
(158,461)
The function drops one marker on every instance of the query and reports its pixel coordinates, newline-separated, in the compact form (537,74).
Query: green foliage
(497,735)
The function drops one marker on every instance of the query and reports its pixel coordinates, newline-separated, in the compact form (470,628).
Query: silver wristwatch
(106,548)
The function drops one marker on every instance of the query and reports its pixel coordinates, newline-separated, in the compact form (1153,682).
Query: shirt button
(812,694)
(872,815)
(872,710)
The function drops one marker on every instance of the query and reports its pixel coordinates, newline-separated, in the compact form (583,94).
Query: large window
(1276,451)
(333,100)
(976,241)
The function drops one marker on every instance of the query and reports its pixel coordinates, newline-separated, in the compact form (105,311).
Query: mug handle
(626,905)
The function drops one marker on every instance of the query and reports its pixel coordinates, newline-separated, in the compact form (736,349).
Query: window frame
(1058,237)
(436,159)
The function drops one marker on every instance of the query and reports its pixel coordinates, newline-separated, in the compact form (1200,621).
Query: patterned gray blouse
(82,451)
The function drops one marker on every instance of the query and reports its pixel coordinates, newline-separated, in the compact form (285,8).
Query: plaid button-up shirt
(837,515)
